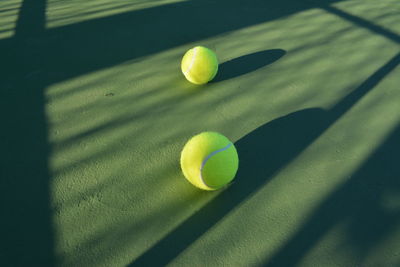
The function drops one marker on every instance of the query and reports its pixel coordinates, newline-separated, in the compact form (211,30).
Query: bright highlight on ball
(199,65)
(209,161)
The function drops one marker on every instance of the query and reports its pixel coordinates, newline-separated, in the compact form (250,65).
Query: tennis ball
(199,65)
(209,161)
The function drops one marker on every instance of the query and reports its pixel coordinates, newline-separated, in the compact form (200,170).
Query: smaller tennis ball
(199,65)
(209,161)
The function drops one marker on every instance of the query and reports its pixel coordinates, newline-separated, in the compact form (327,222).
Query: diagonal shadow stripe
(307,237)
(357,202)
(362,23)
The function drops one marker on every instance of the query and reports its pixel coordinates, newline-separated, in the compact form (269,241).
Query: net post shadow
(26,225)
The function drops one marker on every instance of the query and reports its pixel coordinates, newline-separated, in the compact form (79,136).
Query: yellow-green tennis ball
(209,161)
(199,65)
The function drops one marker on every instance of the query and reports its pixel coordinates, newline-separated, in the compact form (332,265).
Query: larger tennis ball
(209,161)
(199,65)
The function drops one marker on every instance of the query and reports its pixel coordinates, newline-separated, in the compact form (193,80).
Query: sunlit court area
(98,103)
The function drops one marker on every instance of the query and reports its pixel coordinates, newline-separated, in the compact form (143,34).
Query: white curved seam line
(191,62)
(207,158)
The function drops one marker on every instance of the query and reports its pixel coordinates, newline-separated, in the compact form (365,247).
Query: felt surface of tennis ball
(199,65)
(209,161)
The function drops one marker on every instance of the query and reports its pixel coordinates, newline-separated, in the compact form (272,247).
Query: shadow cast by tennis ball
(247,63)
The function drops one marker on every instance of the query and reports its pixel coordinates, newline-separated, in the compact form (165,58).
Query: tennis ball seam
(192,61)
(207,158)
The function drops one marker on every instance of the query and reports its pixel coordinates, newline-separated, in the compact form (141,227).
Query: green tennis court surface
(95,112)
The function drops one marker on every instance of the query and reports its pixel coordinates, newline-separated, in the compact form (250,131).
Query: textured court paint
(74,11)
(118,112)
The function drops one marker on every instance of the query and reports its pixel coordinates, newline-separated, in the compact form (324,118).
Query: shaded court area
(96,111)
